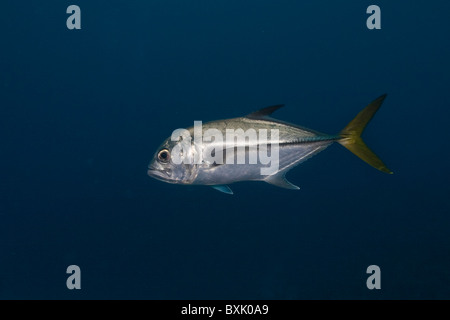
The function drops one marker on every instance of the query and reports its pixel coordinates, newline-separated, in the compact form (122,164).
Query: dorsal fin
(264,112)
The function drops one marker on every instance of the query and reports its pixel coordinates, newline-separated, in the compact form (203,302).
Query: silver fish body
(296,145)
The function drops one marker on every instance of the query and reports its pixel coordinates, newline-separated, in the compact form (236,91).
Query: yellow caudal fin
(351,136)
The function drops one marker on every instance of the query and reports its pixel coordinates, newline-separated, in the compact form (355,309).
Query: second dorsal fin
(264,112)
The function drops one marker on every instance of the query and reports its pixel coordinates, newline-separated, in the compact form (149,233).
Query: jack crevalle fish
(255,147)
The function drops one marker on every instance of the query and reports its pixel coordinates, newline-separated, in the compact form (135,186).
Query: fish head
(165,167)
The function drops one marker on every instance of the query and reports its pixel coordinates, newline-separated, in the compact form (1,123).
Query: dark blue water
(83,111)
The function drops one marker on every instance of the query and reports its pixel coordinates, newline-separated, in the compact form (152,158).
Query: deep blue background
(83,111)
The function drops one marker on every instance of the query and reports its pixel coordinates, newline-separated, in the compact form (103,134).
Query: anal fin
(280,180)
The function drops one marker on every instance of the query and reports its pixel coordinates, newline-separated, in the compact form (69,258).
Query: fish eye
(164,155)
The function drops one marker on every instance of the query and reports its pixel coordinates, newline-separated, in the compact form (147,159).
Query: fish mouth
(158,174)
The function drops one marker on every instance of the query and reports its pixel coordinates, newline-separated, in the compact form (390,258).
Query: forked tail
(351,136)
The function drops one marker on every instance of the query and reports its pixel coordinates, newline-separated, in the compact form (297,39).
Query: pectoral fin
(280,180)
(223,188)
